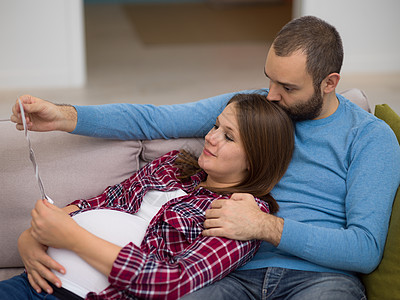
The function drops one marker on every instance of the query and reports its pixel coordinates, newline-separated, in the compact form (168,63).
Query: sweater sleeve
(372,180)
(136,121)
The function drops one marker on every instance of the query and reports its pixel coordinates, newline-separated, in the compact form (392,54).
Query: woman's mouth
(208,152)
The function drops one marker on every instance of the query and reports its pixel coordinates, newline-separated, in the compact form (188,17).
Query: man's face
(291,87)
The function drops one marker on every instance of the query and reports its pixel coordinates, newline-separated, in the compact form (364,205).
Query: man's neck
(331,104)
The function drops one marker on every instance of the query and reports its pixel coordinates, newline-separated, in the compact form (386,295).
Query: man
(335,198)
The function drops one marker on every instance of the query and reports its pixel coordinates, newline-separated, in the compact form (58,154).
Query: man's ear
(330,82)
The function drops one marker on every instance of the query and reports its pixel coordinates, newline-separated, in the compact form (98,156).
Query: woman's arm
(52,226)
(38,264)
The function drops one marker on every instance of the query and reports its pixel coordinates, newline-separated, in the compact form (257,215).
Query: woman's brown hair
(267,136)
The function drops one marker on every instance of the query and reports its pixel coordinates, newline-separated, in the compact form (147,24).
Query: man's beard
(308,110)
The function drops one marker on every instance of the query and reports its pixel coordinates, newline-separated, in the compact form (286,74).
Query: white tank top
(81,278)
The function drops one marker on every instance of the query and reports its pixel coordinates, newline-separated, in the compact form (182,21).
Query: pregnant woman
(143,238)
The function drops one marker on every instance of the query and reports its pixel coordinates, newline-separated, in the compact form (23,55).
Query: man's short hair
(318,40)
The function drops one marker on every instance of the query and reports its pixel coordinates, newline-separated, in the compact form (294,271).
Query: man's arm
(372,179)
(122,121)
(136,121)
(42,115)
(358,246)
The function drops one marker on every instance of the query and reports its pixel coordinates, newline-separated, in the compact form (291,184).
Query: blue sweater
(335,198)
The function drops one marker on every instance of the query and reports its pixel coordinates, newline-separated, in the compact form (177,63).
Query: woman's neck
(212,183)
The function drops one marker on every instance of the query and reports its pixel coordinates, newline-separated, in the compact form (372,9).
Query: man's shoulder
(360,118)
(367,130)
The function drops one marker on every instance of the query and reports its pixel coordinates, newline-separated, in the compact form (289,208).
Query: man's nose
(274,94)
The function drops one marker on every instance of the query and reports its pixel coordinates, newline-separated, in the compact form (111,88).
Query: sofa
(76,167)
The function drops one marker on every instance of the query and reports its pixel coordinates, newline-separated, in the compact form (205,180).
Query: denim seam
(265,291)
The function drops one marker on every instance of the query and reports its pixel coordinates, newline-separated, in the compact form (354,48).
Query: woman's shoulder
(168,159)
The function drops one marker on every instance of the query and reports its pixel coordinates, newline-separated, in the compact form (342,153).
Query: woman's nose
(212,136)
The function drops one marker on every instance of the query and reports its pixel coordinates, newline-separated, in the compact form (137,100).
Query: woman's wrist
(87,245)
(70,208)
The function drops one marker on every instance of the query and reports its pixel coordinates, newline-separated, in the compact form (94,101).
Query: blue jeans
(278,283)
(19,288)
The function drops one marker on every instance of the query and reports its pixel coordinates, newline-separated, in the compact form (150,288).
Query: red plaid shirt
(174,258)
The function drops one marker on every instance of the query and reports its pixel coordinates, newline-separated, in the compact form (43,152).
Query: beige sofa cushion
(155,148)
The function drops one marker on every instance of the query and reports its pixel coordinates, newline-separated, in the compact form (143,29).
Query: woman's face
(223,156)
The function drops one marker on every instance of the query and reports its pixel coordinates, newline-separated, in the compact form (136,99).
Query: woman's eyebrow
(228,128)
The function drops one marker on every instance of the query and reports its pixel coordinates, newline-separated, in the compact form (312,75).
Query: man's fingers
(19,127)
(213,232)
(207,232)
(212,223)
(219,203)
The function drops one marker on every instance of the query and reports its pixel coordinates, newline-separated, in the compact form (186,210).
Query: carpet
(200,23)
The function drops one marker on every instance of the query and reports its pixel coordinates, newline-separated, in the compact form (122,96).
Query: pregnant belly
(114,226)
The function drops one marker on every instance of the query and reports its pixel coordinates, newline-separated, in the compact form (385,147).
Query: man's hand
(38,264)
(240,218)
(42,115)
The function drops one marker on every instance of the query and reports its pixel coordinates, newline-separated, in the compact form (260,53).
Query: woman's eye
(228,138)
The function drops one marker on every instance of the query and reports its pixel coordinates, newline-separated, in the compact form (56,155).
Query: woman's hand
(38,264)
(53,226)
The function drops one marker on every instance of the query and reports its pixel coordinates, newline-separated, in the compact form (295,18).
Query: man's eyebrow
(291,85)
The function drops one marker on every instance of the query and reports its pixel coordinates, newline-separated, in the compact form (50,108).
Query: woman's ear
(330,83)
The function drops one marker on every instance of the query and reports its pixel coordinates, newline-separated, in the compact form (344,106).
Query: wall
(42,43)
(369,29)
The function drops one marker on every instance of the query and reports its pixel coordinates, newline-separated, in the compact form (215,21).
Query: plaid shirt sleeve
(206,260)
(127,195)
